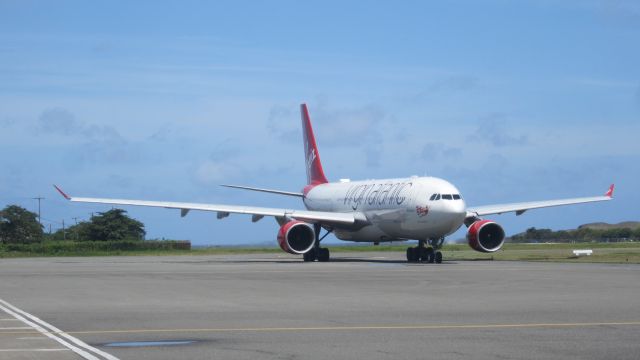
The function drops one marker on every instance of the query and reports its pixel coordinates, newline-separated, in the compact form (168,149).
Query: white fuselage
(397,209)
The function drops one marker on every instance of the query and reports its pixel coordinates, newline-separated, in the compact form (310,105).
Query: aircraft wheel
(412,254)
(309,256)
(323,254)
(431,256)
(426,255)
(438,257)
(421,254)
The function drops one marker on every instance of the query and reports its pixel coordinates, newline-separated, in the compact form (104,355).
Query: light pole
(76,229)
(39,198)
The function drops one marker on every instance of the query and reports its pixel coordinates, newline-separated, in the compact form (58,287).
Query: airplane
(426,209)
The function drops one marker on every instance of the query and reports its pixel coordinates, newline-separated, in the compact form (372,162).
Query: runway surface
(361,306)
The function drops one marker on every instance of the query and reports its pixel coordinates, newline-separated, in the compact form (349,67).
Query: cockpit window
(436,197)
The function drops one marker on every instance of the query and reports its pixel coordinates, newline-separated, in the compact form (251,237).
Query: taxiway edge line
(83,349)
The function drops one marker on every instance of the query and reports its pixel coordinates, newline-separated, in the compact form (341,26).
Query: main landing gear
(317,253)
(320,254)
(428,254)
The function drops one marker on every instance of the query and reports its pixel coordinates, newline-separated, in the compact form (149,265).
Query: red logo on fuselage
(422,211)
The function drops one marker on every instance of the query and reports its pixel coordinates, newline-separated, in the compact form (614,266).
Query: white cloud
(493,129)
(58,121)
(348,126)
(213,172)
(434,150)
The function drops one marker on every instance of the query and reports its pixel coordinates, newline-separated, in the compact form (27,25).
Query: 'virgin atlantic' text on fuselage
(377,194)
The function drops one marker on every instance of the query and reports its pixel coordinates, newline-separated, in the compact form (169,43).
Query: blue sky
(510,101)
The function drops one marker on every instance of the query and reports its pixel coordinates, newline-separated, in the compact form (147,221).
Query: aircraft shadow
(350,260)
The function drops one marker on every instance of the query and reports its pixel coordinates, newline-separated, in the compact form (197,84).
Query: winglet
(609,193)
(62,193)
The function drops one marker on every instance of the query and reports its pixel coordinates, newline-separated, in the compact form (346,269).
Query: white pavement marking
(9,320)
(23,350)
(56,334)
(15,328)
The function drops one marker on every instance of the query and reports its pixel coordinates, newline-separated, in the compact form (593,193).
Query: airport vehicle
(426,209)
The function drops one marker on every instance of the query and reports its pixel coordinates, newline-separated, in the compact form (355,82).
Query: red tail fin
(315,174)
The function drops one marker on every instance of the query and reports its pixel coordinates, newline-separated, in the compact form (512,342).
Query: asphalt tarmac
(360,306)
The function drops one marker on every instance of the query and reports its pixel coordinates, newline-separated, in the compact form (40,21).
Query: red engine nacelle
(485,236)
(296,237)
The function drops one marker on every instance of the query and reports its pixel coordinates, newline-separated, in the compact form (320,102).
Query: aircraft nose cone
(457,208)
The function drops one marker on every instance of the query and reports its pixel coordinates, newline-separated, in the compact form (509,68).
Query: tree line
(578,235)
(20,226)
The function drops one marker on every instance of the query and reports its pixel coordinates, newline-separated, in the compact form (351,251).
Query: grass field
(628,252)
(602,252)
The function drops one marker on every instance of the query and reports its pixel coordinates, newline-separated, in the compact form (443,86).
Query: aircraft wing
(225,210)
(520,208)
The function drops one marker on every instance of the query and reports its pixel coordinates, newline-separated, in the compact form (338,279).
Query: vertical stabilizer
(315,174)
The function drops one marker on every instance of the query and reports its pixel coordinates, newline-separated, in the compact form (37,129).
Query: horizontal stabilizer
(279,192)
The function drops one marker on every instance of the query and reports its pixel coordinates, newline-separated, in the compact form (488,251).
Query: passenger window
(456,197)
(447,197)
(433,197)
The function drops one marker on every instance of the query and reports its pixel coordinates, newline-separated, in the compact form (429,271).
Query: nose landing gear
(428,254)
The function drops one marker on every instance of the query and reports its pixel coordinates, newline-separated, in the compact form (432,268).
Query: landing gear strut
(428,254)
(318,253)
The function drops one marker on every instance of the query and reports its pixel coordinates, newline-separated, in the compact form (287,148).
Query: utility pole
(39,198)
(76,230)
(64,234)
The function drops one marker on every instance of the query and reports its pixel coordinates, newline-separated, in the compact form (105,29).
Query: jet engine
(485,236)
(296,237)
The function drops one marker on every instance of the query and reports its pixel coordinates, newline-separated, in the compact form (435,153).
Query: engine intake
(296,237)
(485,236)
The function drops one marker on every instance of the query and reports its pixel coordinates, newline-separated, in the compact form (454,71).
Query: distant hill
(604,226)
(600,231)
